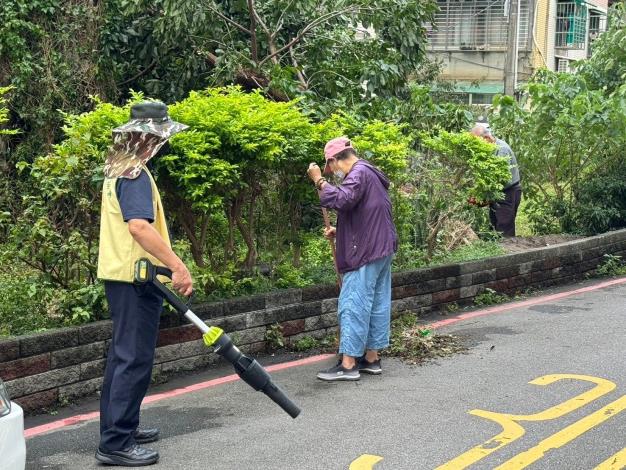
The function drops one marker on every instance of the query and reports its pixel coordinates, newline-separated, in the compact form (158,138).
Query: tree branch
(312,25)
(301,76)
(254,47)
(148,69)
(279,23)
(270,35)
(228,20)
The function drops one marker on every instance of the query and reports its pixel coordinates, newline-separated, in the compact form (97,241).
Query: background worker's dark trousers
(503,213)
(135,311)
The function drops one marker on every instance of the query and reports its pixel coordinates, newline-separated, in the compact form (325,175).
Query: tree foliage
(564,134)
(606,69)
(234,184)
(452,168)
(48,53)
(322,49)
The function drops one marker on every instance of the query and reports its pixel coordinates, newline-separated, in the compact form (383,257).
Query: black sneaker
(145,436)
(372,368)
(134,456)
(339,372)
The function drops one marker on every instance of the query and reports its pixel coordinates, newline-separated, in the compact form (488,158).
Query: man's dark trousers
(503,213)
(135,311)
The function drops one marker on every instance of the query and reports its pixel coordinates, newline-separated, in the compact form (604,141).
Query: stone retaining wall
(44,369)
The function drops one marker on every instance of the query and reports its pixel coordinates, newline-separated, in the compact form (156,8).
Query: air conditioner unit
(562,65)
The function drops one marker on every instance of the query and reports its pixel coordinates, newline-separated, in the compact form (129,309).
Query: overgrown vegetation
(490,297)
(242,212)
(416,344)
(612,266)
(262,86)
(569,134)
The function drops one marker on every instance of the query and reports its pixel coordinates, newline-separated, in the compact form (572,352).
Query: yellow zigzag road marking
(564,436)
(615,462)
(365,462)
(512,431)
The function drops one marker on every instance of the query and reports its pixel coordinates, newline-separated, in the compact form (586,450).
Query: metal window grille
(597,25)
(571,25)
(476,25)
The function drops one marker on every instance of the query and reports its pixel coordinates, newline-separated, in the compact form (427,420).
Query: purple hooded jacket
(365,229)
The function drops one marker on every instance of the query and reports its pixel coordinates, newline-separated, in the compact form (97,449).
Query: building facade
(472,38)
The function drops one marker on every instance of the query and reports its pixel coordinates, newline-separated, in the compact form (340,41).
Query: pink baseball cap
(333,147)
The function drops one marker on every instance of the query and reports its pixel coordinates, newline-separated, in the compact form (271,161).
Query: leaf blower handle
(146,272)
(163,271)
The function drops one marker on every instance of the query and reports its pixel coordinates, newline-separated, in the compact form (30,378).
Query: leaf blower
(247,368)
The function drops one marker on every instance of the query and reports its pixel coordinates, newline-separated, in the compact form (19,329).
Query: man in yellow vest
(132,227)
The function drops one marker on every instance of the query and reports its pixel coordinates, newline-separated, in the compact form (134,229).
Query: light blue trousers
(365,308)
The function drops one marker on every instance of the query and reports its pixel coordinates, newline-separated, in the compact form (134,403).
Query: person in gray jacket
(503,213)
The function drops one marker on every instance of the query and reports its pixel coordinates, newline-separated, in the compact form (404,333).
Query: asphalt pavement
(477,410)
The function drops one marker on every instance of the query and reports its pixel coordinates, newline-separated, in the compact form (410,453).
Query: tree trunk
(248,231)
(188,222)
(295,215)
(229,249)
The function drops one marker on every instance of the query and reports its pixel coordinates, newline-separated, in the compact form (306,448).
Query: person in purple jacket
(366,241)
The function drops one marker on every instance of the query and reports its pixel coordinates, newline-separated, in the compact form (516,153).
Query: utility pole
(510,67)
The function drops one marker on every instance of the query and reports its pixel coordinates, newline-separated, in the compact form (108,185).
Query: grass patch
(416,344)
(308,343)
(477,250)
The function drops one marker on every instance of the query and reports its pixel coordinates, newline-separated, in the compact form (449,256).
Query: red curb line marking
(44,428)
(526,303)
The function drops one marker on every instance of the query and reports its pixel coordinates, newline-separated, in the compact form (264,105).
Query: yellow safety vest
(118,249)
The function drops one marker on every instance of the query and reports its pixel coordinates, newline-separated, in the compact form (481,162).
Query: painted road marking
(615,462)
(511,430)
(365,462)
(564,436)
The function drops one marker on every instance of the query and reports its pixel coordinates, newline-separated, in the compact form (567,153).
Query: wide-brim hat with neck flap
(140,139)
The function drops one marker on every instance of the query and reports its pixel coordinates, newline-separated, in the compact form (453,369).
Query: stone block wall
(58,366)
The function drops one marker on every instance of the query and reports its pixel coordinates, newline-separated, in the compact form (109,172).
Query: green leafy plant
(612,265)
(606,68)
(274,338)
(57,230)
(305,344)
(565,135)
(490,297)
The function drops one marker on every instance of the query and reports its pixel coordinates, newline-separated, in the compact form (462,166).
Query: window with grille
(597,25)
(476,25)
(571,25)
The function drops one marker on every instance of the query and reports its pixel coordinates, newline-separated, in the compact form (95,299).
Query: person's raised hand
(314,172)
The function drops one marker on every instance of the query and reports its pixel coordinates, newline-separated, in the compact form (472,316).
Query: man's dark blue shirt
(135,197)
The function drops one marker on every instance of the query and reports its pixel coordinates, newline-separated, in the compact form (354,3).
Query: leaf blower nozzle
(250,371)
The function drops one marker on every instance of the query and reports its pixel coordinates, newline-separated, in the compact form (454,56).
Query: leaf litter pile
(416,344)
